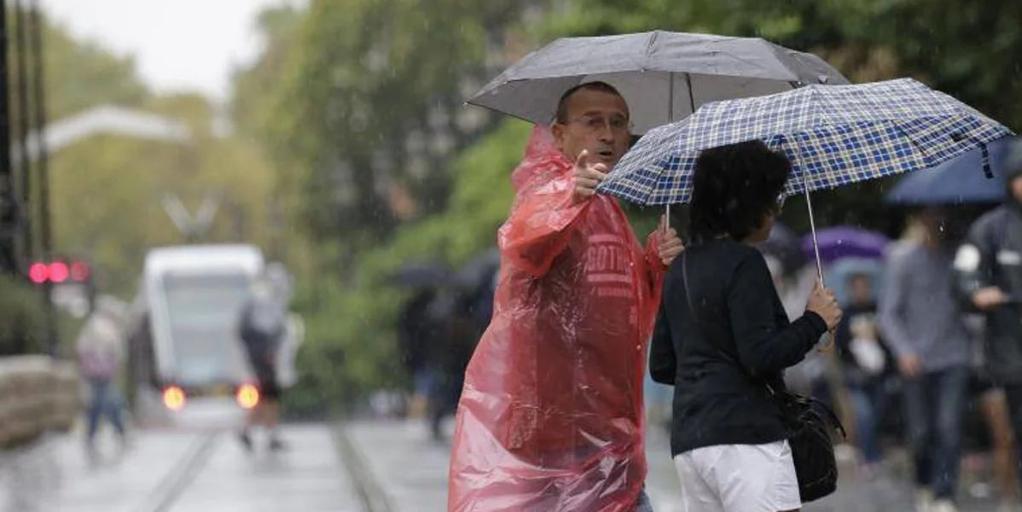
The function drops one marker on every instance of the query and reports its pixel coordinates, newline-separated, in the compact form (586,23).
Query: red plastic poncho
(551,416)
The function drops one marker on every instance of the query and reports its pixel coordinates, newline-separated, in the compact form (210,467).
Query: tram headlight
(174,398)
(247,396)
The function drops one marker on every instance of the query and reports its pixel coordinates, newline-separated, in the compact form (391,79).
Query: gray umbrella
(664,76)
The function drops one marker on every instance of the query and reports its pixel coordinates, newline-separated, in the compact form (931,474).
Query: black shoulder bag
(810,424)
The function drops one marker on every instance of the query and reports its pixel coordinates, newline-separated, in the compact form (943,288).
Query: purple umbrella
(844,242)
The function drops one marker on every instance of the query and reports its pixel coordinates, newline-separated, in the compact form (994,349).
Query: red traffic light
(59,272)
(39,272)
(80,271)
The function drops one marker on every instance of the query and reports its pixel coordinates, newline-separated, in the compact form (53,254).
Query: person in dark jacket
(988,266)
(262,327)
(866,363)
(723,336)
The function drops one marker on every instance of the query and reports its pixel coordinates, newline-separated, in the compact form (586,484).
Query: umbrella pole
(828,338)
(832,372)
(670,119)
(812,228)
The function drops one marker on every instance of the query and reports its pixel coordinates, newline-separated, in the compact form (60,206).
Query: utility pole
(8,195)
(43,168)
(24,160)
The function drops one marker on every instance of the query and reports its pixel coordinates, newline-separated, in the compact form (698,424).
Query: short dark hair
(734,188)
(562,104)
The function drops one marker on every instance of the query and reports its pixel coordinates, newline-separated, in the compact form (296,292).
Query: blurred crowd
(919,363)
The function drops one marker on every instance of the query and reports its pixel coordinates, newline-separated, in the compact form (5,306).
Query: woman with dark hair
(722,338)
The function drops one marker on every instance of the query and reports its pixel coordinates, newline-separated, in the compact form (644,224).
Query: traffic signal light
(59,271)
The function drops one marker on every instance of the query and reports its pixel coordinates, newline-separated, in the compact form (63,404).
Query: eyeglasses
(779,202)
(595,123)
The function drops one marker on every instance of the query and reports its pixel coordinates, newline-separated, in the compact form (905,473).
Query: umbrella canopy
(959,181)
(663,76)
(478,272)
(842,242)
(421,275)
(834,135)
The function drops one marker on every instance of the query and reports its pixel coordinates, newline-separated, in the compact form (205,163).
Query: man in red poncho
(551,417)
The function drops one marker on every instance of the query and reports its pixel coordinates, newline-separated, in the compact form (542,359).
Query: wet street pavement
(370,466)
(409,471)
(198,467)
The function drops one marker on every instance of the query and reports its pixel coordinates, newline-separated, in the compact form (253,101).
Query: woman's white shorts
(738,478)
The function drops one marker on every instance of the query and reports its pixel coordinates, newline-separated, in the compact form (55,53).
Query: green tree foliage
(866,39)
(107,190)
(351,344)
(82,74)
(373,105)
(107,193)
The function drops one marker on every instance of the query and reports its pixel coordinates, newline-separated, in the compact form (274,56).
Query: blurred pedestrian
(867,366)
(921,320)
(451,343)
(100,349)
(262,328)
(415,334)
(722,333)
(551,415)
(989,271)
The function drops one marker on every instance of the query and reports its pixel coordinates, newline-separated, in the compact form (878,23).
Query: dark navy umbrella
(958,181)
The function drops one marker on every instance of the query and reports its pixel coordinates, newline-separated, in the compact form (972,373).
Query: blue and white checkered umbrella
(834,135)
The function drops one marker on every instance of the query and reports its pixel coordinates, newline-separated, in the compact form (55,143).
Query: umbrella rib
(691,93)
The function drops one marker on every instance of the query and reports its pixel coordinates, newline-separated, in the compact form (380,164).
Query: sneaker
(246,440)
(943,506)
(924,500)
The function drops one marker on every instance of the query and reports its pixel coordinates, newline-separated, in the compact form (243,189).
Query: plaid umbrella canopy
(834,135)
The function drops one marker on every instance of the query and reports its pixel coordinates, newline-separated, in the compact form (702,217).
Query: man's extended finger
(582,161)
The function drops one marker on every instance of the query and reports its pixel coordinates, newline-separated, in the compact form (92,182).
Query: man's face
(597,121)
(861,289)
(1016,188)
